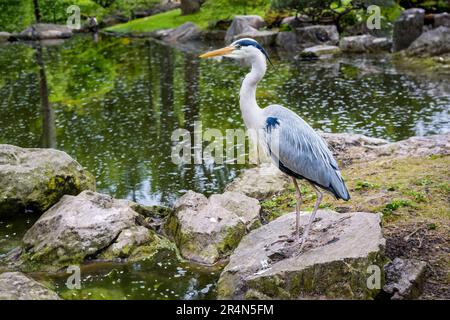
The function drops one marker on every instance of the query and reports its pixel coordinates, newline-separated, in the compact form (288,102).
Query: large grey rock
(4,36)
(365,43)
(441,20)
(265,38)
(320,51)
(407,28)
(317,35)
(243,24)
(261,182)
(431,43)
(35,179)
(287,40)
(207,230)
(88,225)
(404,278)
(186,32)
(17,286)
(334,263)
(44,31)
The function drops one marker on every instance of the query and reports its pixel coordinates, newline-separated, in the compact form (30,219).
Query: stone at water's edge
(340,256)
(365,43)
(35,179)
(261,182)
(186,32)
(43,31)
(17,286)
(432,43)
(90,225)
(207,230)
(407,28)
(320,51)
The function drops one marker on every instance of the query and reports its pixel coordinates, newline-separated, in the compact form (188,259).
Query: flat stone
(320,52)
(207,230)
(365,43)
(335,263)
(404,278)
(18,286)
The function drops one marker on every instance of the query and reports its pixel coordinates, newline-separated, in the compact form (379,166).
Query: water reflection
(113,104)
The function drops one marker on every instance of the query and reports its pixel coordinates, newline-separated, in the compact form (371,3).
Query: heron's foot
(285,246)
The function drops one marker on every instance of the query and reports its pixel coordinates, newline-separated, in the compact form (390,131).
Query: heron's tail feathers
(338,187)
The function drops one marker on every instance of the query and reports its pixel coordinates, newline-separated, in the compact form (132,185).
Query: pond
(114,103)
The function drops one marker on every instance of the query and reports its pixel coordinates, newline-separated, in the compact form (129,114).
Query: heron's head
(242,49)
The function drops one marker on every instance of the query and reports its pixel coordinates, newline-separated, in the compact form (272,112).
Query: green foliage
(361,185)
(395,204)
(429,5)
(15,15)
(211,10)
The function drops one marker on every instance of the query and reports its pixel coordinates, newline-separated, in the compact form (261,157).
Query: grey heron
(301,152)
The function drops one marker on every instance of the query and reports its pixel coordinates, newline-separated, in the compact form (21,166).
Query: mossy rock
(35,179)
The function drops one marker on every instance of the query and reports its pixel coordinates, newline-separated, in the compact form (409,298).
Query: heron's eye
(237,46)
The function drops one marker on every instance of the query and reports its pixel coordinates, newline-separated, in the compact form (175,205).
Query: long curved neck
(250,110)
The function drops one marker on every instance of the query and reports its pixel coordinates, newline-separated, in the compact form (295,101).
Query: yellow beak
(216,53)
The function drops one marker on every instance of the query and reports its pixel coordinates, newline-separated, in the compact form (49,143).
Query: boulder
(4,36)
(407,28)
(432,43)
(287,40)
(42,31)
(341,254)
(90,225)
(35,179)
(207,230)
(186,32)
(17,286)
(316,35)
(320,51)
(441,20)
(404,278)
(365,43)
(214,35)
(260,182)
(243,24)
(265,38)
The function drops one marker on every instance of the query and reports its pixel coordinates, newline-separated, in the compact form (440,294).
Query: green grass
(211,11)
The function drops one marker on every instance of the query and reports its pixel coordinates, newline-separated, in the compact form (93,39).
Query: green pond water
(113,105)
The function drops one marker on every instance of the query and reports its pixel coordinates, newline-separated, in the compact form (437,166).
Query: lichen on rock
(207,230)
(35,179)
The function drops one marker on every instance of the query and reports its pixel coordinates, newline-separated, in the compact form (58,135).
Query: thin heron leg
(313,215)
(297,208)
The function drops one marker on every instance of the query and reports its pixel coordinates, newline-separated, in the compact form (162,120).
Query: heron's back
(301,152)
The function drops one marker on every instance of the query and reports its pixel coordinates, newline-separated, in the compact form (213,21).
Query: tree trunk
(37,12)
(190,6)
